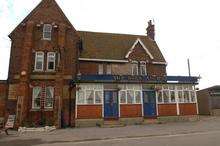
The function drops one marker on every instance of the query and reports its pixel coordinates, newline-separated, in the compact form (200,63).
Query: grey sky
(184,28)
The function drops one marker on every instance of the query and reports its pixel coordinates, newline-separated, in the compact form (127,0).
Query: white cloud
(184,28)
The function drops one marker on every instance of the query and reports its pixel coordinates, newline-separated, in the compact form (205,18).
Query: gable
(47,11)
(139,50)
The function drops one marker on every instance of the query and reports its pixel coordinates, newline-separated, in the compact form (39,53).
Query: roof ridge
(112,33)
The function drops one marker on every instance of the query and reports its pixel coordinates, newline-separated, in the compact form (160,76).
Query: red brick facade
(26,41)
(3,97)
(130,111)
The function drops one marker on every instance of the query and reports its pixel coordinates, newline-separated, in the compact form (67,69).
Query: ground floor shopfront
(132,103)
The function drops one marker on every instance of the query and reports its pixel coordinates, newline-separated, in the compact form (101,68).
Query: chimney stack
(151,30)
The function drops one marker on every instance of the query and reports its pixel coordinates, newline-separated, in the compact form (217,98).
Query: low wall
(167,110)
(89,111)
(188,109)
(130,110)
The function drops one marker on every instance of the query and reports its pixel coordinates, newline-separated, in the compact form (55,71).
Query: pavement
(204,132)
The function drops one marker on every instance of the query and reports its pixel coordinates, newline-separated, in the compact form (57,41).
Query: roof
(38,8)
(99,45)
(216,87)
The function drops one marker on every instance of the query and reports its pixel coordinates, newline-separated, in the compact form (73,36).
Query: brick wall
(167,110)
(132,110)
(26,40)
(3,97)
(89,111)
(188,109)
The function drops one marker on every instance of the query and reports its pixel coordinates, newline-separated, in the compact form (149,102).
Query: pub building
(65,77)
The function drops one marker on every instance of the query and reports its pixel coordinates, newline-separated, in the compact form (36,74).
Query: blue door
(111,104)
(149,103)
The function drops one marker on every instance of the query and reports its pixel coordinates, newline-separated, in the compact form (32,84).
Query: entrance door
(111,104)
(149,103)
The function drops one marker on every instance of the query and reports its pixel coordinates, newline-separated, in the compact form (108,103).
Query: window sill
(50,71)
(38,71)
(48,109)
(35,110)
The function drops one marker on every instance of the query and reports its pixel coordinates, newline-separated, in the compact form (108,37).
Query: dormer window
(47,29)
(51,60)
(143,70)
(134,68)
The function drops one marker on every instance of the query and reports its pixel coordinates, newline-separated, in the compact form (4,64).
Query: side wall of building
(203,98)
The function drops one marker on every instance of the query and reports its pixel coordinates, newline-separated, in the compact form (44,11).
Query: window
(130,94)
(39,61)
(186,96)
(49,97)
(90,94)
(81,98)
(47,31)
(122,95)
(134,68)
(193,96)
(160,97)
(143,70)
(166,96)
(137,96)
(51,60)
(36,97)
(180,96)
(98,96)
(109,69)
(100,69)
(172,96)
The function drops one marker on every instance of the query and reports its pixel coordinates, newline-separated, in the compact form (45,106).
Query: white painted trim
(76,105)
(157,62)
(103,60)
(54,62)
(117,61)
(35,63)
(142,44)
(157,110)
(47,31)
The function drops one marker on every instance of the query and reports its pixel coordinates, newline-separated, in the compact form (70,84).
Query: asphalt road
(211,138)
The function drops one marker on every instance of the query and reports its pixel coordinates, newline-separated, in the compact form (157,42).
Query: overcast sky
(184,28)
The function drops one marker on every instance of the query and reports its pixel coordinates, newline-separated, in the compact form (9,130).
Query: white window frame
(34,97)
(134,65)
(41,55)
(49,26)
(101,69)
(126,96)
(176,93)
(51,98)
(90,88)
(143,64)
(54,60)
(108,69)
